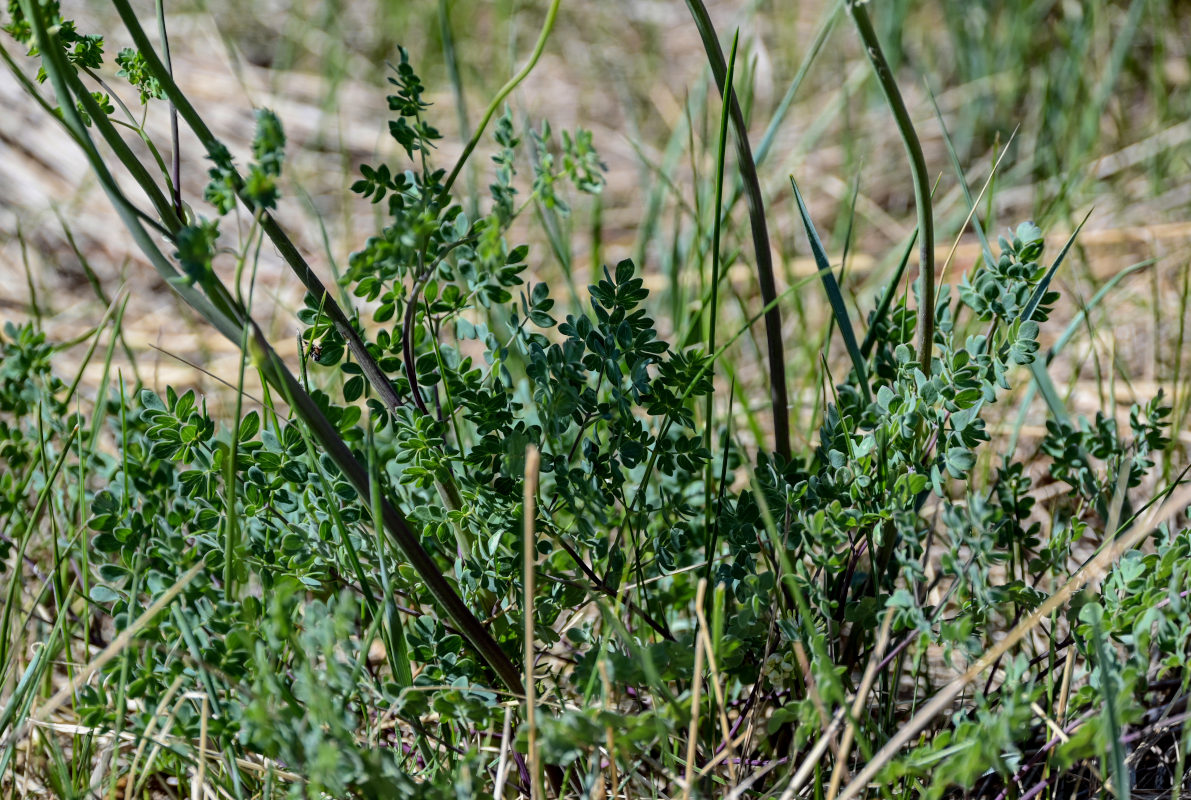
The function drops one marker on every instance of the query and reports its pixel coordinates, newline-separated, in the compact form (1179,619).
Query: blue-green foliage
(277,628)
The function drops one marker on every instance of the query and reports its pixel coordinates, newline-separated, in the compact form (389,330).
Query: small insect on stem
(316,351)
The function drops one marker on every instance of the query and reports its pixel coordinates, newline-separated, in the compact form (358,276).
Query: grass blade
(1074,327)
(870,336)
(1109,686)
(716,229)
(926,223)
(963,181)
(756,204)
(1040,289)
(834,296)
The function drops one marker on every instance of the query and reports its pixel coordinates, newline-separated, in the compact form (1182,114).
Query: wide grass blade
(776,350)
(834,296)
(14,714)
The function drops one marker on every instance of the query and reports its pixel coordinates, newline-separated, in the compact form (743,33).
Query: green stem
(926,225)
(504,92)
(713,307)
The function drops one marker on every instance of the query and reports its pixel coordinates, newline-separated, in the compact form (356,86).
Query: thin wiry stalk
(926,224)
(712,311)
(756,204)
(539,46)
(176,156)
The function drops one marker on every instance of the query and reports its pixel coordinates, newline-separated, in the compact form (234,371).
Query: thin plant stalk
(926,224)
(713,308)
(513,82)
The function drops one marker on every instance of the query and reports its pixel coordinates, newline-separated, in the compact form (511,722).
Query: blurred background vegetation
(1089,103)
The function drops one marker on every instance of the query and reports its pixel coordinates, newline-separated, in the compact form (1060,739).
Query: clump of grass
(475,542)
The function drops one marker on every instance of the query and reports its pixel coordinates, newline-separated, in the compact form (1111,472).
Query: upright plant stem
(756,204)
(539,46)
(176,156)
(712,311)
(926,225)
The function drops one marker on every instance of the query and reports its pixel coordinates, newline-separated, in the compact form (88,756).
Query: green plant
(340,570)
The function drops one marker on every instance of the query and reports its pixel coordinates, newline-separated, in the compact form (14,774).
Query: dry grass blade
(972,212)
(117,646)
(149,730)
(529,554)
(692,740)
(506,746)
(704,641)
(196,788)
(1093,570)
(866,684)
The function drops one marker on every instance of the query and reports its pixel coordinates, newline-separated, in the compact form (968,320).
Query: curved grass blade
(1077,323)
(922,198)
(510,85)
